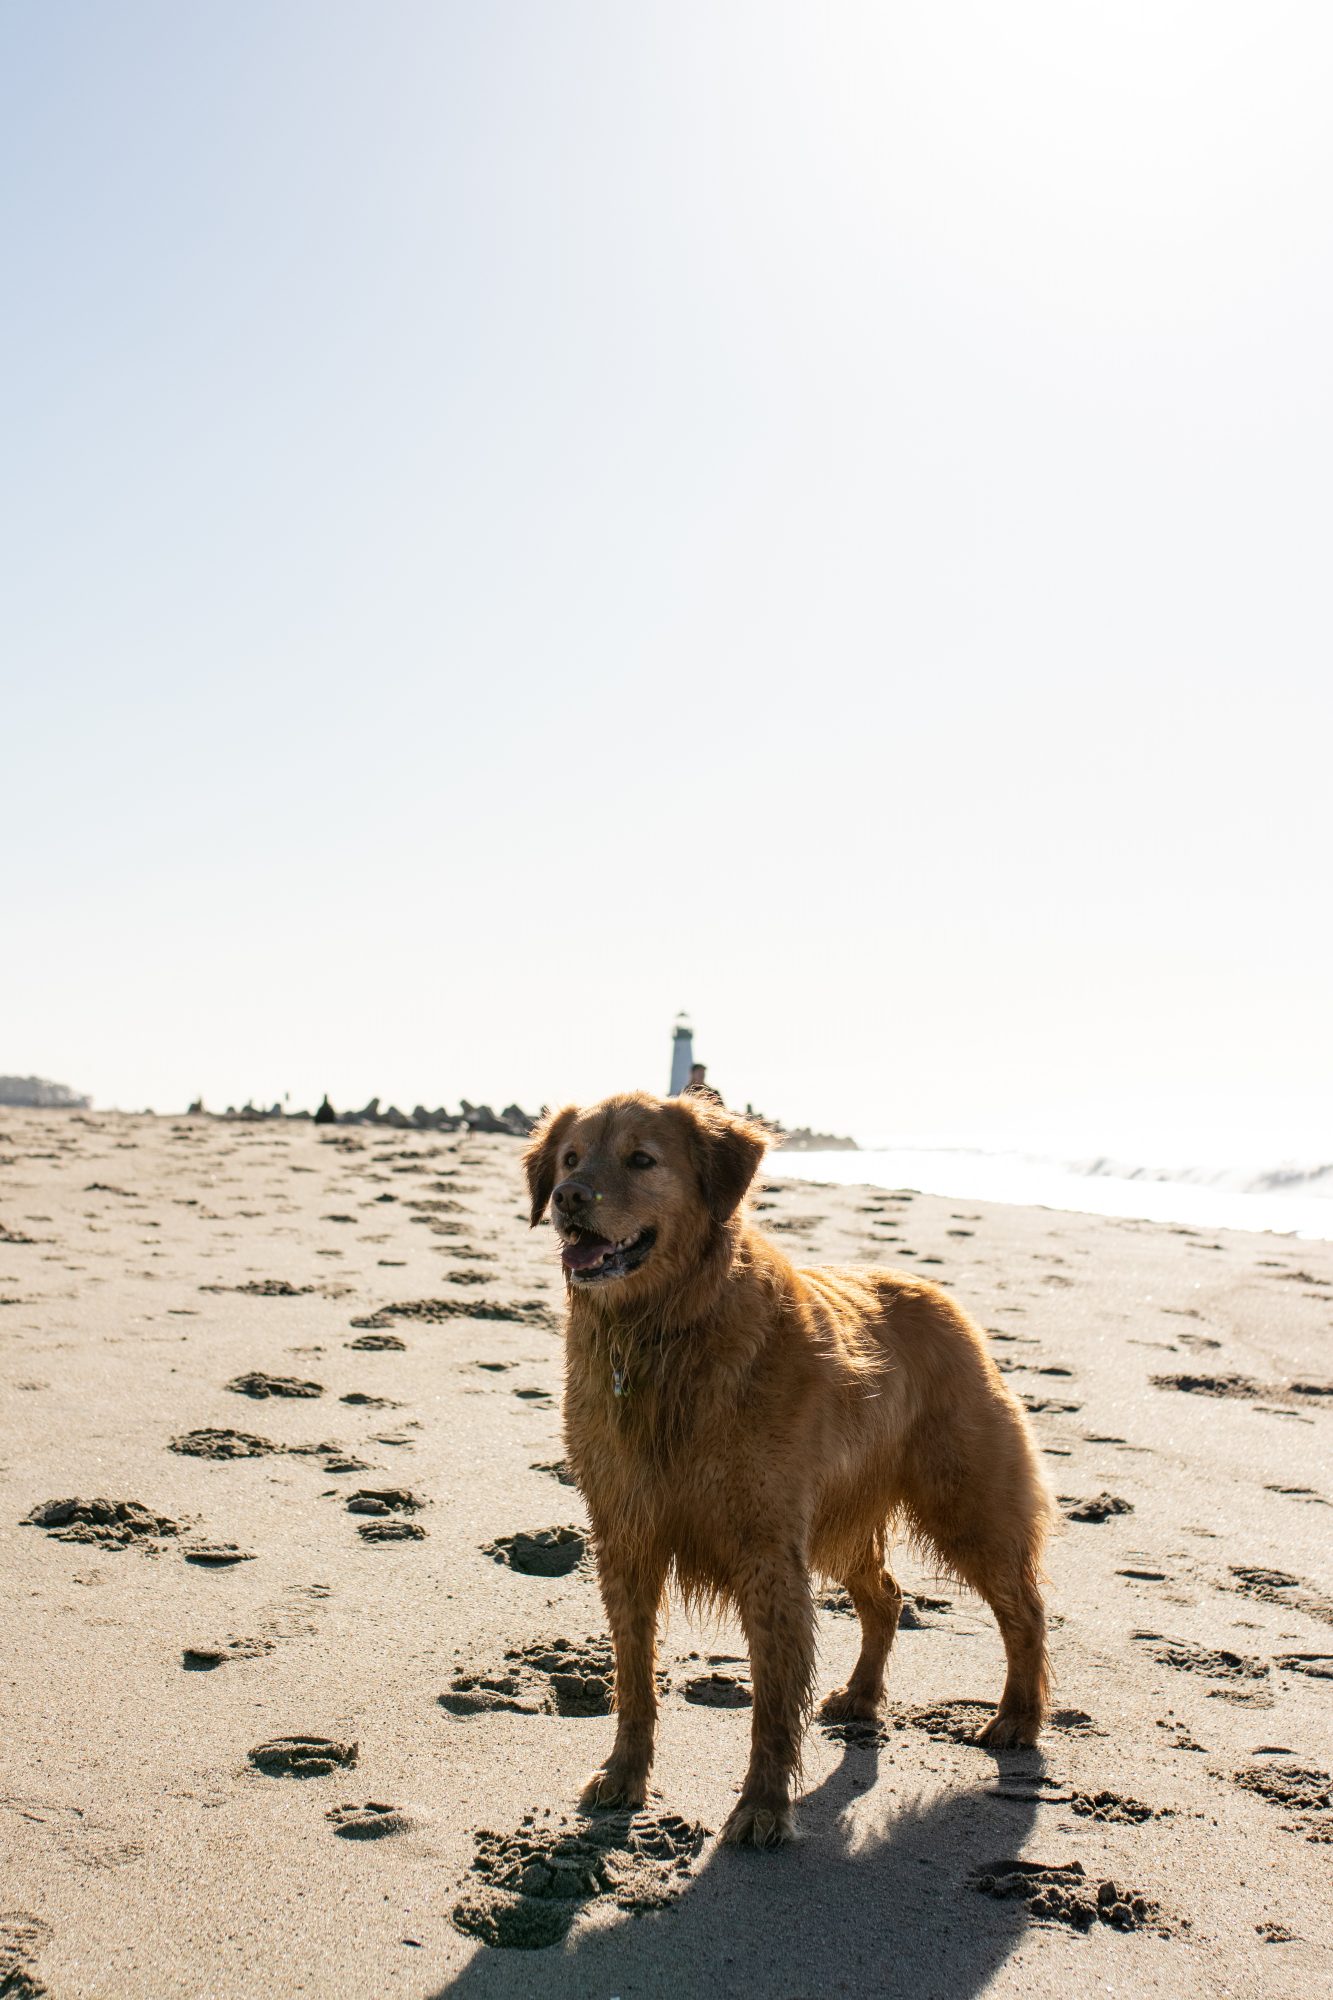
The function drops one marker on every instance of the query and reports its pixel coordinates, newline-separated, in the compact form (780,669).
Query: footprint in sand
(1062,1893)
(1186,1657)
(1276,1586)
(718,1691)
(387,1503)
(382,1500)
(533,1882)
(223,1444)
(23,1937)
(264,1288)
(374,1820)
(1295,1787)
(204,1658)
(261,1385)
(109,1524)
(548,1552)
(303,1756)
(1102,1507)
(479,1694)
(1319,1666)
(548,1676)
(1244,1388)
(226,1444)
(1115,1809)
(437,1312)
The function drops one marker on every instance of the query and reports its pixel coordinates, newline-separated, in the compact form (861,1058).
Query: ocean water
(1289,1199)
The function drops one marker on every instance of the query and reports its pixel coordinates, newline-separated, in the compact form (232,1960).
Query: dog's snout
(571,1196)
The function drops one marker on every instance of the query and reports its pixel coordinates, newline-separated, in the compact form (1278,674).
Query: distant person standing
(698,1086)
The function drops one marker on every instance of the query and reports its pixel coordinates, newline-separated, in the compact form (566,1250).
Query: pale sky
(518,520)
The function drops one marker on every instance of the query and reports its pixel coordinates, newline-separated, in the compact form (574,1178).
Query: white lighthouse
(682,1054)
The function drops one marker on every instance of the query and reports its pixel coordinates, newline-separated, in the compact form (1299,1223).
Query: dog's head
(638,1186)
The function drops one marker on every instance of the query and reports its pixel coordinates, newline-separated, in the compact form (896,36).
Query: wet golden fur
(776,1424)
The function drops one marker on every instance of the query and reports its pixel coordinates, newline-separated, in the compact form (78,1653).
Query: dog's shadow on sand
(883,1904)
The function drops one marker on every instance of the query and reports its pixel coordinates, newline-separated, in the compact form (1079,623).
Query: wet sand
(306,1707)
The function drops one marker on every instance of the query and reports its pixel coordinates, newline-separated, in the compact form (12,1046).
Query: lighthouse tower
(682,1054)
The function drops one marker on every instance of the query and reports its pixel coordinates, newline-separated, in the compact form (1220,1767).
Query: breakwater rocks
(513,1120)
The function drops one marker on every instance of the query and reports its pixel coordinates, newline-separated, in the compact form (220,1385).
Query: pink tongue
(588,1249)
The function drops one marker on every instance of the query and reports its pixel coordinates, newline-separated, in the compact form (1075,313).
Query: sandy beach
(305,1709)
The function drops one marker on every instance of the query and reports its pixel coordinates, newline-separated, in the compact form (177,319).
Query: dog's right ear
(539,1160)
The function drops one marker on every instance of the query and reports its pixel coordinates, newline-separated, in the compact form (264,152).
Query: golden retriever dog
(741,1426)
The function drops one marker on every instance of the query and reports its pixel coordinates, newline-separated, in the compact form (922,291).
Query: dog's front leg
(632,1592)
(778,1616)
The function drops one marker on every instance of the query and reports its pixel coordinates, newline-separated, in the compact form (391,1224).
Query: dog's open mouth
(591,1259)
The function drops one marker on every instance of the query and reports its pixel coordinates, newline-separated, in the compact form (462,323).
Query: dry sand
(148,1852)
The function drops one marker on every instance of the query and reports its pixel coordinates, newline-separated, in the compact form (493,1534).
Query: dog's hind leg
(878,1600)
(1003,1567)
(632,1592)
(1013,1596)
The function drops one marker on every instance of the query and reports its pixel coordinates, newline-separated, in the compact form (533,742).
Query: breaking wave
(1290,1197)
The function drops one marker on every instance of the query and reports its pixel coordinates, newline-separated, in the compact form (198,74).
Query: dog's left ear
(539,1158)
(728,1152)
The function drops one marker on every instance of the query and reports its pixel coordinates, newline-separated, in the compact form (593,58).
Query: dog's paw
(614,1785)
(753,1825)
(845,1705)
(1009,1732)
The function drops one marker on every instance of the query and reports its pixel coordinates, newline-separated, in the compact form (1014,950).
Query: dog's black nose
(572,1195)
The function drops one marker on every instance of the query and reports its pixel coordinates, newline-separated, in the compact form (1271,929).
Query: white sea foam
(1290,1199)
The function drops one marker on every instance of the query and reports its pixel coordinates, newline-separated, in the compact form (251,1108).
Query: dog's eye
(642,1159)
(571,1159)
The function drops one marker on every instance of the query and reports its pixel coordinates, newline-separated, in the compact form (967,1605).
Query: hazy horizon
(521,523)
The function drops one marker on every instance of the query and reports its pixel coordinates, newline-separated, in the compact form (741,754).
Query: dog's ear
(727,1152)
(539,1158)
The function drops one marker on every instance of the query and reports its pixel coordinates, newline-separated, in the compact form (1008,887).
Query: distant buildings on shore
(36,1094)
